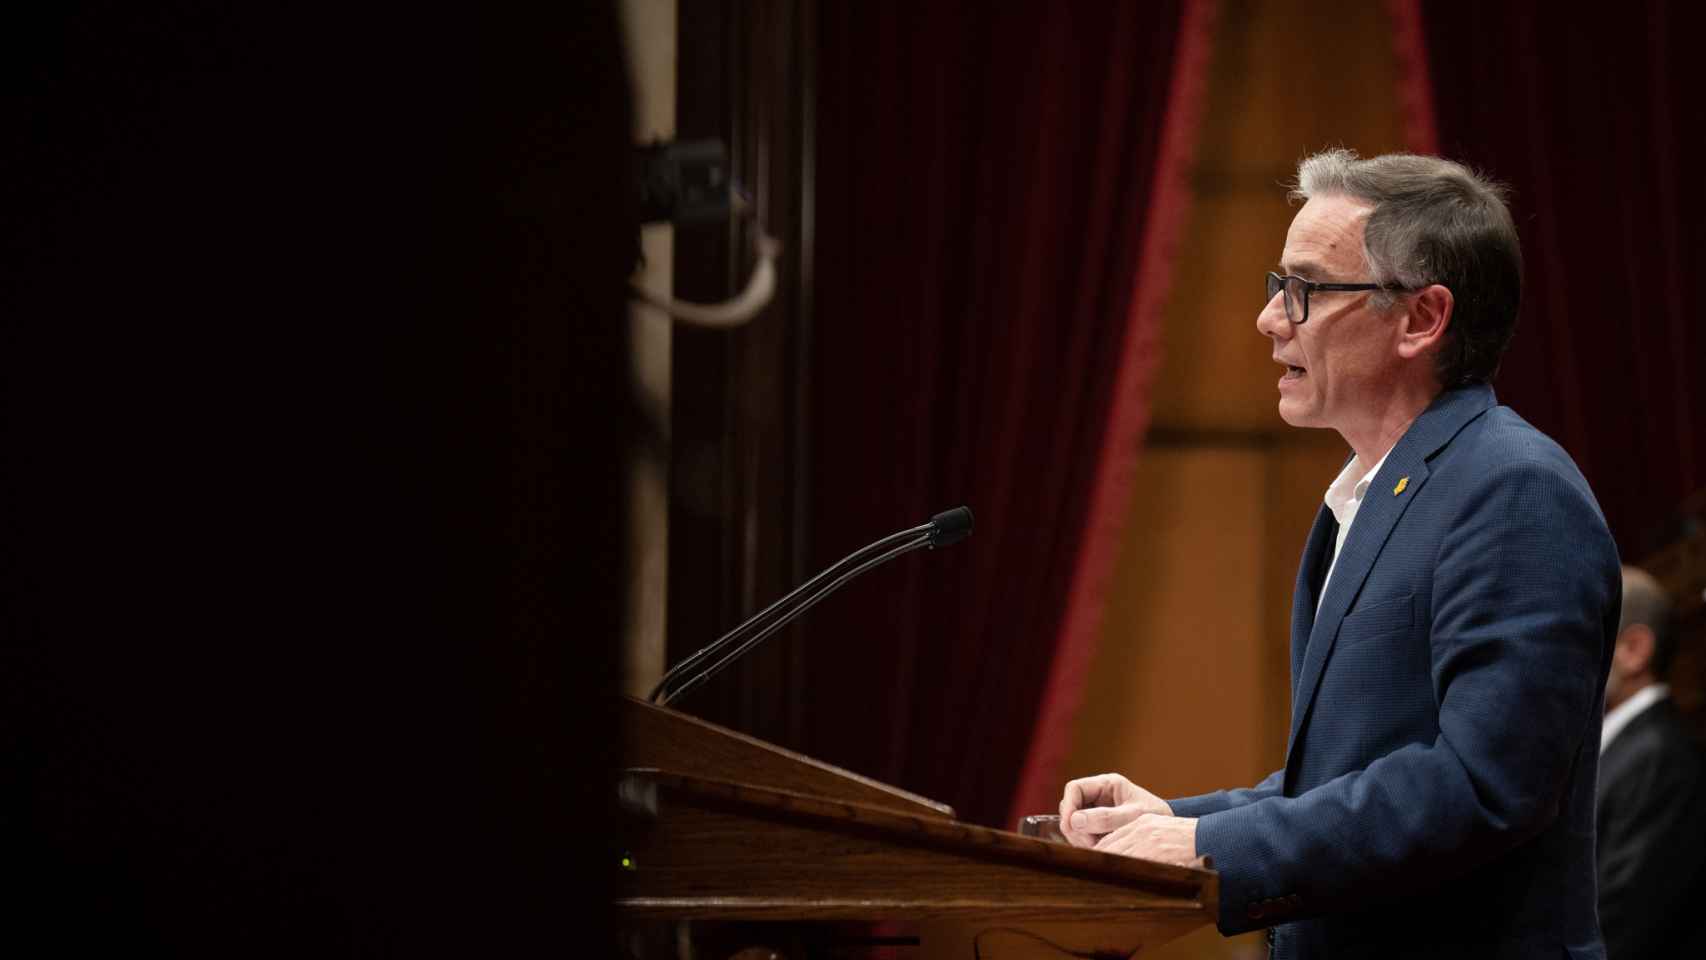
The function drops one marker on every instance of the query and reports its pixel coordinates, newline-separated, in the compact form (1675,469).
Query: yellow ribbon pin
(1402,483)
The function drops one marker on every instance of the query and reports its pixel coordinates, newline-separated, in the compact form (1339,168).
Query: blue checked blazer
(1438,791)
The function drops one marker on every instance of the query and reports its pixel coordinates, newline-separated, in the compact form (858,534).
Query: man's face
(1340,362)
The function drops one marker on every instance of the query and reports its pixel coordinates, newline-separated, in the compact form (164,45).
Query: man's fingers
(1097,820)
(1072,798)
(1102,789)
(1097,793)
(1066,808)
(1070,802)
(1075,797)
(1154,836)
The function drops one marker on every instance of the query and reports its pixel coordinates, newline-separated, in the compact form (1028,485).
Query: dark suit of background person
(1652,806)
(1437,793)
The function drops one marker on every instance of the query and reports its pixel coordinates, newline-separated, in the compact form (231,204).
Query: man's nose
(1272,321)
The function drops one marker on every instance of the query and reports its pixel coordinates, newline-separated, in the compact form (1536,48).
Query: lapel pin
(1402,483)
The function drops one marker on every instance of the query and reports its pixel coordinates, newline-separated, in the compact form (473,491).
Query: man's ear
(1426,321)
(1634,651)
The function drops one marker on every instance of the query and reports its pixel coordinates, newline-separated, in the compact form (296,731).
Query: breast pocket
(1379,620)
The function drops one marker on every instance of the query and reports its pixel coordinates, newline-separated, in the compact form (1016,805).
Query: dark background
(312,556)
(315,361)
(1597,126)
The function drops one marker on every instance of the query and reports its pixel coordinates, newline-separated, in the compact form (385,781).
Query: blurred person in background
(1652,810)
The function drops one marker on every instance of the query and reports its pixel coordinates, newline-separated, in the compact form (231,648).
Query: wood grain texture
(660,738)
(718,849)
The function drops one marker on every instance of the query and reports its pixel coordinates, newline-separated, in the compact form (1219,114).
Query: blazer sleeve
(1524,582)
(1207,803)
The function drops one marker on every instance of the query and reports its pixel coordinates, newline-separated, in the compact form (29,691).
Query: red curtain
(998,187)
(1598,125)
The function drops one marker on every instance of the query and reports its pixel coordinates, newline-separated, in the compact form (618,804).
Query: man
(1652,825)
(1453,614)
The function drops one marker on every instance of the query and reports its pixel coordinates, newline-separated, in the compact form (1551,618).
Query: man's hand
(1155,837)
(1094,807)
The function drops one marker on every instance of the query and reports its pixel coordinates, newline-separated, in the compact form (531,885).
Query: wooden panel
(1288,79)
(1218,371)
(1176,685)
(1292,76)
(1054,941)
(663,739)
(720,850)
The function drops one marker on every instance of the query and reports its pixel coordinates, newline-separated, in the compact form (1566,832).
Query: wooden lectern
(726,827)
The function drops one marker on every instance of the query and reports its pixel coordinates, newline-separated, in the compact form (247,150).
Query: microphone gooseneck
(945,528)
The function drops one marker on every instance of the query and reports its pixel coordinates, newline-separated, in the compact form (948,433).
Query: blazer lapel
(1305,597)
(1382,506)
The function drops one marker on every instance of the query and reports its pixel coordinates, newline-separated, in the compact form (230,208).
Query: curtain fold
(1593,122)
(997,192)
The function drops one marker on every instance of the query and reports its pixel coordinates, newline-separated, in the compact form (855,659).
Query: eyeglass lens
(1295,304)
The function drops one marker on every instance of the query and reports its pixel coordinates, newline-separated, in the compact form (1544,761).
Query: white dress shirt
(1629,709)
(1344,497)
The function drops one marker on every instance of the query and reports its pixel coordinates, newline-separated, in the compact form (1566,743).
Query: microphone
(950,527)
(943,529)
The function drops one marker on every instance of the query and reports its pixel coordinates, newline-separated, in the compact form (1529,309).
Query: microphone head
(950,526)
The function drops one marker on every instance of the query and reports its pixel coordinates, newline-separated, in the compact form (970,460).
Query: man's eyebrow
(1307,269)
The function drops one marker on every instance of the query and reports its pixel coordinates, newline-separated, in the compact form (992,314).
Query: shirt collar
(1629,709)
(1347,489)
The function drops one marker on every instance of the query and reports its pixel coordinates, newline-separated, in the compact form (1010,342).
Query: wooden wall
(1190,688)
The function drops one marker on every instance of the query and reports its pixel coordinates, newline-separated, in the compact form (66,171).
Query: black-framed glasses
(1297,292)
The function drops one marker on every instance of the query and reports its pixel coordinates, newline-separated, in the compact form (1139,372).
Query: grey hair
(1645,602)
(1434,221)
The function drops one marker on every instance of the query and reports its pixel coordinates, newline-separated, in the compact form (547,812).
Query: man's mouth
(1293,373)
